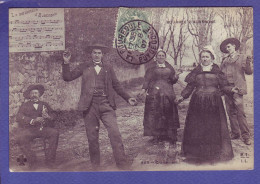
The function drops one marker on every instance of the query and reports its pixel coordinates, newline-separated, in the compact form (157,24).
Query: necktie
(98,64)
(36,104)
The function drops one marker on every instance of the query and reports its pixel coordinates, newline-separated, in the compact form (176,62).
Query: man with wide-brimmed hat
(35,120)
(235,66)
(97,101)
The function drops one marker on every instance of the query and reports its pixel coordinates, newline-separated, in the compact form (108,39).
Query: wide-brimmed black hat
(102,47)
(233,41)
(38,87)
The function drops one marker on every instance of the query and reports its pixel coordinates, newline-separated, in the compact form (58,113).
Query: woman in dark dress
(161,118)
(206,135)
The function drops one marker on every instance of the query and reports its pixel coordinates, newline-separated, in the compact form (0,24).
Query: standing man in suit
(35,120)
(97,101)
(235,66)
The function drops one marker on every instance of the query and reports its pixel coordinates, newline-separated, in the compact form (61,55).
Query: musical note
(35,21)
(36,33)
(38,45)
(48,44)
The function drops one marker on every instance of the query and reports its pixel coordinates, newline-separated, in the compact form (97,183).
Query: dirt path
(72,153)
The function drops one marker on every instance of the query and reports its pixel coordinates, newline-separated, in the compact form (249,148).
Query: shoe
(247,141)
(234,136)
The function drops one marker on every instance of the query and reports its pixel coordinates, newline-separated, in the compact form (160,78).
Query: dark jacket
(27,112)
(87,72)
(235,70)
(148,82)
(220,82)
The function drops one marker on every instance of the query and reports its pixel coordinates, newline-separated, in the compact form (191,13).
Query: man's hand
(132,101)
(235,90)
(38,120)
(66,57)
(142,93)
(178,100)
(179,71)
(249,59)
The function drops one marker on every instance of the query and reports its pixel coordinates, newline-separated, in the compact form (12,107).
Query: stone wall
(83,27)
(31,68)
(45,68)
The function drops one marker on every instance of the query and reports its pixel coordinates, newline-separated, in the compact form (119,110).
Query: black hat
(233,41)
(103,48)
(38,87)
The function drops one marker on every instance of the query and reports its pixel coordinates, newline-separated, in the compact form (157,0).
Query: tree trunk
(175,60)
(243,45)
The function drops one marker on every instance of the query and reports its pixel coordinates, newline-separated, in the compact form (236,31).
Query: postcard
(131,89)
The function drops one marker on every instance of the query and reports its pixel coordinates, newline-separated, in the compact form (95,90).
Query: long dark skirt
(160,116)
(206,135)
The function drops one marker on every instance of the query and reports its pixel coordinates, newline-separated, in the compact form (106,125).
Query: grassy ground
(72,153)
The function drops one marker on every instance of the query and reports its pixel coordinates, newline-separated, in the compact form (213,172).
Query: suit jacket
(236,68)
(27,112)
(87,72)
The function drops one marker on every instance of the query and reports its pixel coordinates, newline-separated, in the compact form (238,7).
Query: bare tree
(175,35)
(194,46)
(200,21)
(166,31)
(156,16)
(238,24)
(182,53)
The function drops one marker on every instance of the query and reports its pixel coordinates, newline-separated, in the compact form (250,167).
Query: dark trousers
(100,109)
(26,135)
(237,117)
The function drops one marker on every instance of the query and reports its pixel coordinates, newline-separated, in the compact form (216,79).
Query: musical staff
(35,22)
(35,37)
(32,30)
(37,44)
(39,30)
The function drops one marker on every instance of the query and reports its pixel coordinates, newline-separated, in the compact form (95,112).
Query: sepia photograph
(131,89)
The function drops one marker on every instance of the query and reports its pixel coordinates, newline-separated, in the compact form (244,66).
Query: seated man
(35,120)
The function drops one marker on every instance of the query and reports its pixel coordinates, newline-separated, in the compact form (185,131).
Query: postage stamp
(137,42)
(135,39)
(131,89)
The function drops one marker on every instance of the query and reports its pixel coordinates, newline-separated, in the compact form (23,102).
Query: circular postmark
(137,42)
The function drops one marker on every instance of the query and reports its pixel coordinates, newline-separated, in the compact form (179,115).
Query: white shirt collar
(233,55)
(206,68)
(97,62)
(161,65)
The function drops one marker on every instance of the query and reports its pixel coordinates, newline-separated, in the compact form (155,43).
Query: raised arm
(66,73)
(71,75)
(246,65)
